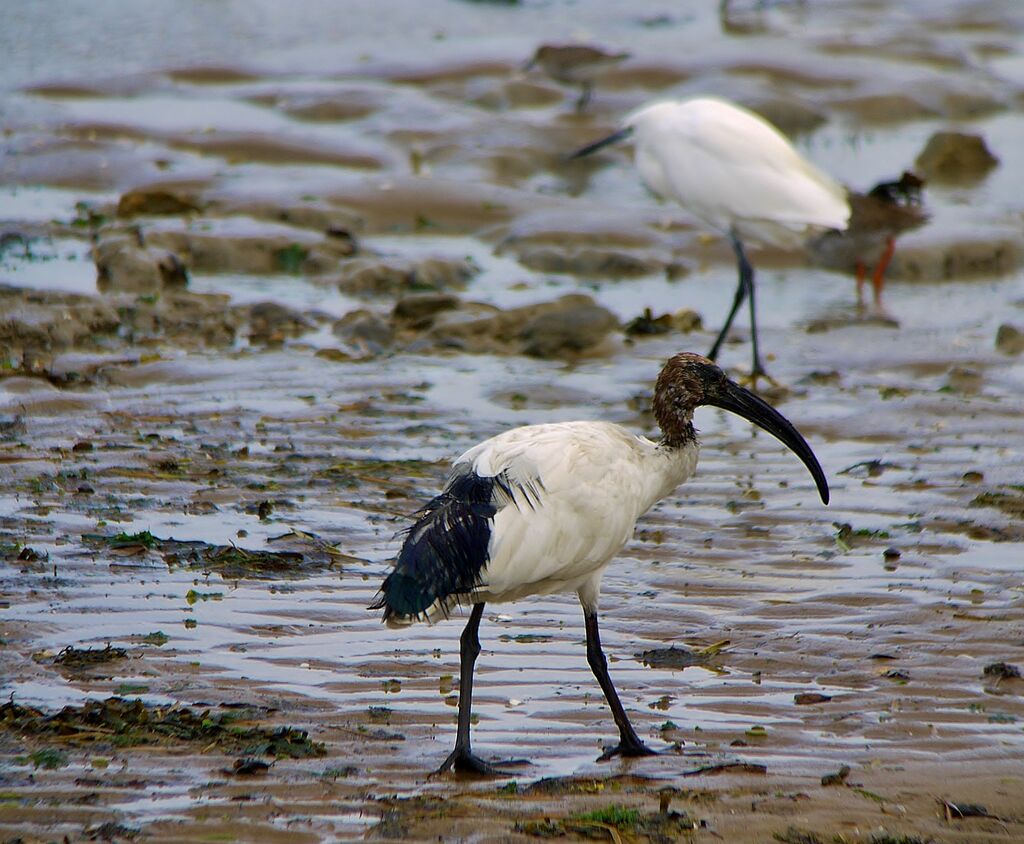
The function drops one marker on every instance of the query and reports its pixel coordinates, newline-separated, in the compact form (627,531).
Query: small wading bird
(575,64)
(876,219)
(544,508)
(738,174)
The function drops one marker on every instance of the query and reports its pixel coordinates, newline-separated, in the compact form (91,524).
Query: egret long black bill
(751,407)
(613,138)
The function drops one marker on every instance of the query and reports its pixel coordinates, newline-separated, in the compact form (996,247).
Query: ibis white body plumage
(568,501)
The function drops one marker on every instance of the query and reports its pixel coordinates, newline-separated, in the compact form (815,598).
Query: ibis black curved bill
(751,407)
(613,138)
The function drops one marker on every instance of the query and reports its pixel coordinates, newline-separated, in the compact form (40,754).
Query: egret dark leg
(747,277)
(462,758)
(629,742)
(585,93)
(744,288)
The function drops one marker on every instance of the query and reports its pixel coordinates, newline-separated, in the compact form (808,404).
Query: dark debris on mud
(128,723)
(72,657)
(229,561)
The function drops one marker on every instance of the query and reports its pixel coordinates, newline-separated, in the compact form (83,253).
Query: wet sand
(214,421)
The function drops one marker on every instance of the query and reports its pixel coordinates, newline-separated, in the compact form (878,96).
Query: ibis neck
(678,433)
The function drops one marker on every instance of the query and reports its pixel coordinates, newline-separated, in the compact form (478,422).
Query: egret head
(688,381)
(634,121)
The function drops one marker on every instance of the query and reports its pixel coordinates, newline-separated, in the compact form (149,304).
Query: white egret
(738,174)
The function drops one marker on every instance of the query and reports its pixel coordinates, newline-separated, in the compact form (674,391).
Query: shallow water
(189,440)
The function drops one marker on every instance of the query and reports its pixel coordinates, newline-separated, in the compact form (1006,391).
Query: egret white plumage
(738,174)
(544,508)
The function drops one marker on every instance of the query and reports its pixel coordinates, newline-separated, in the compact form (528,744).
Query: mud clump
(648,325)
(248,247)
(156,202)
(129,723)
(377,277)
(364,332)
(588,262)
(46,321)
(1010,503)
(1009,339)
(1002,671)
(419,310)
(271,323)
(567,327)
(955,157)
(673,657)
(125,264)
(567,331)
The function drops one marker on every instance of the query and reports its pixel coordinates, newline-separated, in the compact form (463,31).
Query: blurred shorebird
(877,218)
(738,174)
(575,64)
(544,508)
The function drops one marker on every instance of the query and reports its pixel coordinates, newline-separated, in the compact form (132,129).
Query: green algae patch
(230,561)
(130,723)
(613,822)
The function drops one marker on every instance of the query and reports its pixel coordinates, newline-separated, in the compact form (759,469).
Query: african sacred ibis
(544,508)
(738,174)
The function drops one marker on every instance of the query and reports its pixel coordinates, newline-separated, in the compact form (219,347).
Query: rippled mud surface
(267,274)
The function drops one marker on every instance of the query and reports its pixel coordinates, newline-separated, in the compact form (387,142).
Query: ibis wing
(537,509)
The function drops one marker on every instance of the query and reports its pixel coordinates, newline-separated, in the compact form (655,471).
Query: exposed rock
(123,264)
(955,156)
(1009,339)
(567,331)
(936,257)
(247,246)
(790,116)
(271,323)
(36,325)
(566,327)
(684,320)
(190,320)
(418,310)
(155,201)
(364,331)
(376,276)
(40,320)
(885,108)
(590,262)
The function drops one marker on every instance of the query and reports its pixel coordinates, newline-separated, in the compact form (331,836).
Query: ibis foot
(465,762)
(626,749)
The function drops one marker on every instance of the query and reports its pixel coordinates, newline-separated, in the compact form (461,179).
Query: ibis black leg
(744,288)
(462,758)
(629,742)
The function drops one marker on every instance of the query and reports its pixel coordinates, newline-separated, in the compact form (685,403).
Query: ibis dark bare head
(688,381)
